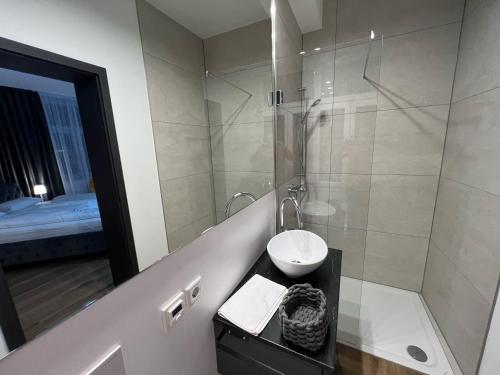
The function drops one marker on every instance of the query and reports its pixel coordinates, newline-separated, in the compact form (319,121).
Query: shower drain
(416,353)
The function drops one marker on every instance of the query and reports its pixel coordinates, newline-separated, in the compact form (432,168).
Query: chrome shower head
(316,102)
(308,112)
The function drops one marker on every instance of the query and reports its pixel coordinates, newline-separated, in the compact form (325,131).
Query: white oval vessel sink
(297,252)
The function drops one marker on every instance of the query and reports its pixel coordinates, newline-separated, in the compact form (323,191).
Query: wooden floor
(355,362)
(46,294)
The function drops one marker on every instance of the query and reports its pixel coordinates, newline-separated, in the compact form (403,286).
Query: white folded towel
(254,304)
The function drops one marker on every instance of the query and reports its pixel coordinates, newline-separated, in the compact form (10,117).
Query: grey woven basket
(304,317)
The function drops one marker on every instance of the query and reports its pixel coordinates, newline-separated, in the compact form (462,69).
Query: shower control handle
(275,97)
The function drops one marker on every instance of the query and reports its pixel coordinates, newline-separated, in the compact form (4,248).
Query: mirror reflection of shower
(233,112)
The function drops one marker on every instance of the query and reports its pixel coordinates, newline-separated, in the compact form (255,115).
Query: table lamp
(40,190)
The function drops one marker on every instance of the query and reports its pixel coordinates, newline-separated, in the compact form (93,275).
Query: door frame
(10,326)
(94,102)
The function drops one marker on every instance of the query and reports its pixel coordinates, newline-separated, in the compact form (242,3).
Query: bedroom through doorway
(52,246)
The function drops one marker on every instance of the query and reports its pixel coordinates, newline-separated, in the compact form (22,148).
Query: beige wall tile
(181,237)
(467,229)
(166,39)
(460,311)
(241,125)
(317,76)
(395,260)
(478,69)
(403,16)
(325,37)
(463,264)
(319,229)
(402,204)
(410,141)
(244,46)
(315,201)
(243,147)
(349,195)
(352,92)
(221,216)
(417,68)
(352,143)
(175,95)
(352,243)
(353,25)
(288,35)
(174,63)
(286,147)
(186,199)
(363,102)
(226,184)
(471,6)
(181,150)
(288,45)
(289,79)
(393,17)
(229,105)
(472,147)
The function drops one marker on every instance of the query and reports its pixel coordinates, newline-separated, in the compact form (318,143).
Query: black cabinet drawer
(229,362)
(238,351)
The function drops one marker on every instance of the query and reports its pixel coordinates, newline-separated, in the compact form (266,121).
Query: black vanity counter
(240,353)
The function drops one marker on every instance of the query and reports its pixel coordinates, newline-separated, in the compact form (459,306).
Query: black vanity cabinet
(239,353)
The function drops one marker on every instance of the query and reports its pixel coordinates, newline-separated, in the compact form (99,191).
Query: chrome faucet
(236,196)
(297,210)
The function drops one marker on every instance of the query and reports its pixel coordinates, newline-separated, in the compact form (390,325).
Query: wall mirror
(65,232)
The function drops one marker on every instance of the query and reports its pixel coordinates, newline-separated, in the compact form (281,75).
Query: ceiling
(207,18)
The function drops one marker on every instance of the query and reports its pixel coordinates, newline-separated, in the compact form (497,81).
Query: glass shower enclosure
(324,140)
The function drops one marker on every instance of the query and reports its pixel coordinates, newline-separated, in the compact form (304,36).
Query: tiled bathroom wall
(237,89)
(375,146)
(174,62)
(464,256)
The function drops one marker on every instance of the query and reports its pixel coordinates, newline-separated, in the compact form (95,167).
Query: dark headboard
(9,192)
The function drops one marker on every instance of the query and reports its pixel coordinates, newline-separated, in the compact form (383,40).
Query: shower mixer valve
(295,189)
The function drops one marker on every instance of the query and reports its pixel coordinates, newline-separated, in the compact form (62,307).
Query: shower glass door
(325,129)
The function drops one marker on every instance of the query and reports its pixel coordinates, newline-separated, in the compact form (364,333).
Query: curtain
(26,154)
(66,132)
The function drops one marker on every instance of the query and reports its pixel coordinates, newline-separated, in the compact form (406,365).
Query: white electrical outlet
(193,291)
(172,311)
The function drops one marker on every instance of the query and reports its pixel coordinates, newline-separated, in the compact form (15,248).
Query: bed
(34,231)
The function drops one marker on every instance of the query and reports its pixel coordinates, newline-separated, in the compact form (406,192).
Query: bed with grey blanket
(33,231)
